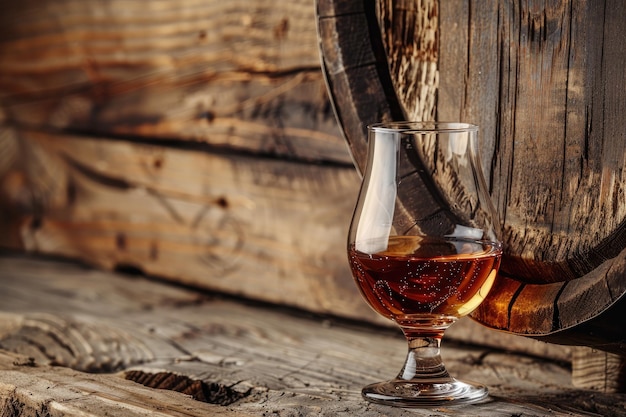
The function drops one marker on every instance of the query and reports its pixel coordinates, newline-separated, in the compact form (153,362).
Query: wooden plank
(540,300)
(498,311)
(261,228)
(530,75)
(356,70)
(227,74)
(596,369)
(410,34)
(469,72)
(29,390)
(269,361)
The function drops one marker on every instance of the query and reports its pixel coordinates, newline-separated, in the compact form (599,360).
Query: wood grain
(554,161)
(531,76)
(355,66)
(29,390)
(239,225)
(219,73)
(410,34)
(276,361)
(260,228)
(221,78)
(591,367)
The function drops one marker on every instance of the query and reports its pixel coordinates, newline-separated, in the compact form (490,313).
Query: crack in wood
(209,392)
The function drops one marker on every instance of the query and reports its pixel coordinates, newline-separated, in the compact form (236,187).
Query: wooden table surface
(81,342)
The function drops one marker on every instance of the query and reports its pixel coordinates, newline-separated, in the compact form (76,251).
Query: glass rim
(422,127)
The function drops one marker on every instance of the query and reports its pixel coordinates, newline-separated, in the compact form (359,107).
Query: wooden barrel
(546,83)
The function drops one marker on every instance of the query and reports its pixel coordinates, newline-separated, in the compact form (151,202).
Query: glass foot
(411,393)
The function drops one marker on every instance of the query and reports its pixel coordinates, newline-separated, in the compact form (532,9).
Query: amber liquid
(418,276)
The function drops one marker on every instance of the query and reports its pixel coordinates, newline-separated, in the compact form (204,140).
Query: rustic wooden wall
(237,75)
(192,140)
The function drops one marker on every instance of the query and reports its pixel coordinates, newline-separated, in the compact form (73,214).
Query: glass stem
(423,361)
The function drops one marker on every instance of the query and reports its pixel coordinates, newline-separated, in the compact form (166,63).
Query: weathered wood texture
(233,358)
(557,166)
(174,72)
(158,138)
(591,367)
(179,138)
(266,229)
(28,389)
(263,229)
(548,100)
(229,74)
(356,68)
